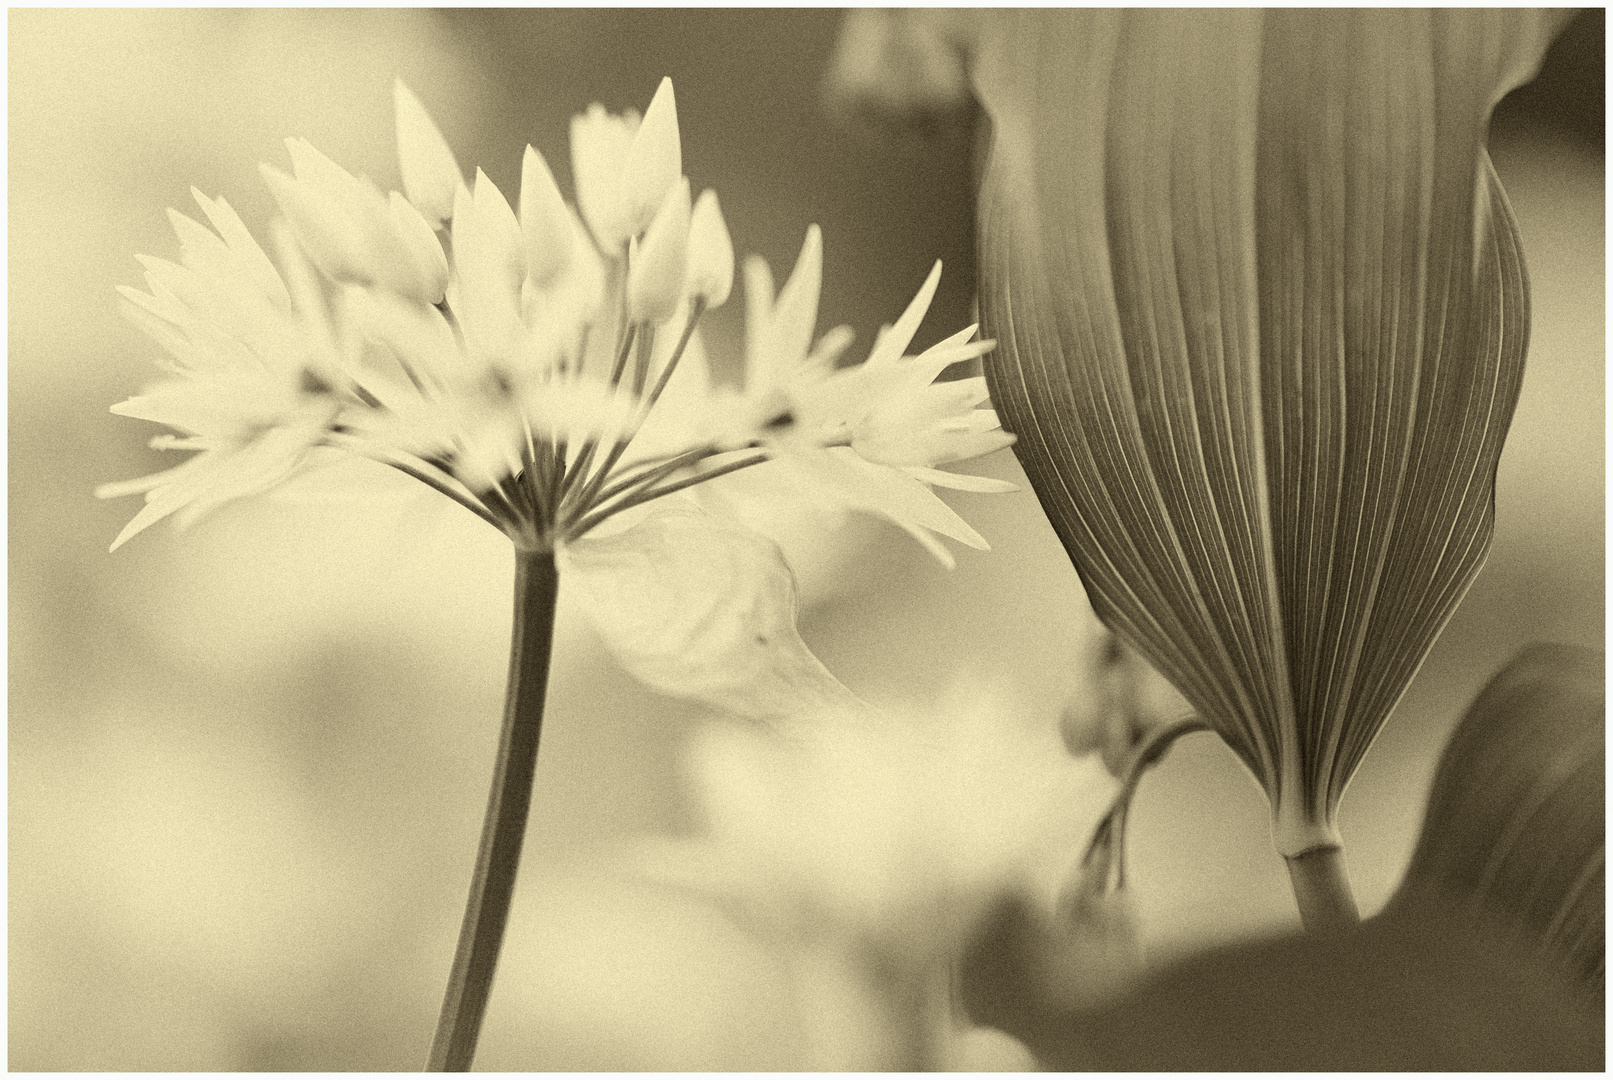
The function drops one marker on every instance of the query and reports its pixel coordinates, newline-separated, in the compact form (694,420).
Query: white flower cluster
(513,357)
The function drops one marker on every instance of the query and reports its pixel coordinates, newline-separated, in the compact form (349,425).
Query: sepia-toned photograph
(806,540)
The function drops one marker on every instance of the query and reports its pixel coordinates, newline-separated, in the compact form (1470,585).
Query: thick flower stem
(1322,890)
(482,932)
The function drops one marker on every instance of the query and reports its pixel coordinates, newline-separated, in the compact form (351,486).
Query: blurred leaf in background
(1397,994)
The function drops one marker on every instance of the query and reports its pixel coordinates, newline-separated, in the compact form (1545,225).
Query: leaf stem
(1322,890)
(486,912)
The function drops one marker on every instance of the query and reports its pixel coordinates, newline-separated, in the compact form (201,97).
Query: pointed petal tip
(129,532)
(935,547)
(664,97)
(658,266)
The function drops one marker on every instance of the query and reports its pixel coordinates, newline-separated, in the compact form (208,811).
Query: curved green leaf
(1261,313)
(1516,827)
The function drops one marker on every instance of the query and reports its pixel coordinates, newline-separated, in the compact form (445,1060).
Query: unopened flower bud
(1121,702)
(599,146)
(545,221)
(655,269)
(489,259)
(711,252)
(430,172)
(654,160)
(422,273)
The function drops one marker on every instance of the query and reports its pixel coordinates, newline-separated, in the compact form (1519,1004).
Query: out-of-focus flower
(654,160)
(518,376)
(545,222)
(902,830)
(354,233)
(599,147)
(899,62)
(1119,703)
(658,266)
(881,841)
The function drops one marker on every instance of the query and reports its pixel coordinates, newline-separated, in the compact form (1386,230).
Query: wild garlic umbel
(519,375)
(541,365)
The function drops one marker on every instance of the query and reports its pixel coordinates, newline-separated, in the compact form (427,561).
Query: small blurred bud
(545,221)
(575,295)
(900,64)
(585,276)
(490,263)
(1120,702)
(654,160)
(430,172)
(656,267)
(711,253)
(331,249)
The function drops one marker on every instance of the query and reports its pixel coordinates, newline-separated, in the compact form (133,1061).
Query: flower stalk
(497,860)
(1106,853)
(1322,890)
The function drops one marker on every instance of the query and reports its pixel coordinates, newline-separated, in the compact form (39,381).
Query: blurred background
(248,762)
